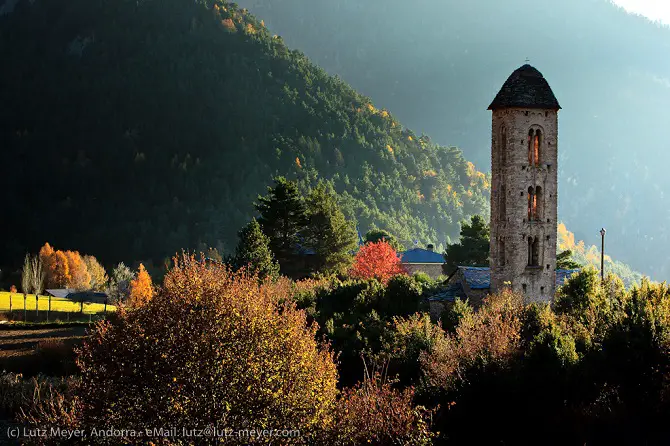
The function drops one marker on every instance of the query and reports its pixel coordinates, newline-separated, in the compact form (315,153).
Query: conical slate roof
(526,88)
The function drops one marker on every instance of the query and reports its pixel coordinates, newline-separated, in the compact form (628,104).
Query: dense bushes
(373,412)
(594,368)
(211,348)
(221,347)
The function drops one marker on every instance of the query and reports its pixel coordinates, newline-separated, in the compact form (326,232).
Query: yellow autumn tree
(97,272)
(212,347)
(141,288)
(60,271)
(80,279)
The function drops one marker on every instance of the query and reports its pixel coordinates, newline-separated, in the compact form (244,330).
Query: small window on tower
(537,203)
(524,287)
(536,147)
(536,252)
(531,203)
(503,146)
(531,134)
(542,290)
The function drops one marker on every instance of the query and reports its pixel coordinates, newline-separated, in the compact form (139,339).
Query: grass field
(58,305)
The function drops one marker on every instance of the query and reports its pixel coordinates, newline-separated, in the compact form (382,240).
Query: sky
(656,10)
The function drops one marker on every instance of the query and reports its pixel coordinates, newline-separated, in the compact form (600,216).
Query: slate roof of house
(419,255)
(479,278)
(450,293)
(60,292)
(88,296)
(525,88)
(71,293)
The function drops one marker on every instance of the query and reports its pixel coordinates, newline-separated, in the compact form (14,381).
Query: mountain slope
(439,63)
(133,129)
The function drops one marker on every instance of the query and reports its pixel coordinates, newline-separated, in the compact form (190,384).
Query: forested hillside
(134,129)
(439,63)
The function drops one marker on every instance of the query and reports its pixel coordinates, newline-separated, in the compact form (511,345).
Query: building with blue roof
(422,260)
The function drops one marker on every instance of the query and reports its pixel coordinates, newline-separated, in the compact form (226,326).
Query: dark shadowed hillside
(438,63)
(134,129)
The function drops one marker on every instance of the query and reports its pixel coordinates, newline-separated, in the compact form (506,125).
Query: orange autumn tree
(56,266)
(377,260)
(141,288)
(80,279)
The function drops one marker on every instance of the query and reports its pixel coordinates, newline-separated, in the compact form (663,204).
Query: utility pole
(602,255)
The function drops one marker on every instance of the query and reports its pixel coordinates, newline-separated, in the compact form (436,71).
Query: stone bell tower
(524,192)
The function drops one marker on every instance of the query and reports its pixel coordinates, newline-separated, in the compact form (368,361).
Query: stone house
(422,260)
(473,284)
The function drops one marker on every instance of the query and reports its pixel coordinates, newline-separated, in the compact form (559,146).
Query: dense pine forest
(438,63)
(135,129)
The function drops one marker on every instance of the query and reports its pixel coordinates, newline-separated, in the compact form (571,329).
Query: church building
(524,196)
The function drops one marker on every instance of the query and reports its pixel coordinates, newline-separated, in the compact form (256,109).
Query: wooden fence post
(49,310)
(10,303)
(25,311)
(37,306)
(81,309)
(105,311)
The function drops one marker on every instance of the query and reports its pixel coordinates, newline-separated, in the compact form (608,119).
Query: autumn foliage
(373,412)
(212,347)
(69,269)
(376,260)
(141,288)
(490,337)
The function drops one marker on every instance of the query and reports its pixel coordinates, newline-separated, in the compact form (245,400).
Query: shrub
(453,313)
(39,400)
(212,347)
(409,338)
(375,413)
(402,296)
(488,338)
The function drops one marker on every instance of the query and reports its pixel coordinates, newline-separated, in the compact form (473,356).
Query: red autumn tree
(377,260)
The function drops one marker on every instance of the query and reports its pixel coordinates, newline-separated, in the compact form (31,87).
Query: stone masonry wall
(511,178)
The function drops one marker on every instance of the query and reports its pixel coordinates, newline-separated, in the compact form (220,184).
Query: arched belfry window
(534,147)
(534,203)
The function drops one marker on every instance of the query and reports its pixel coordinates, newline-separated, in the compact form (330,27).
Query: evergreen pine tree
(473,247)
(253,252)
(283,219)
(377,235)
(332,237)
